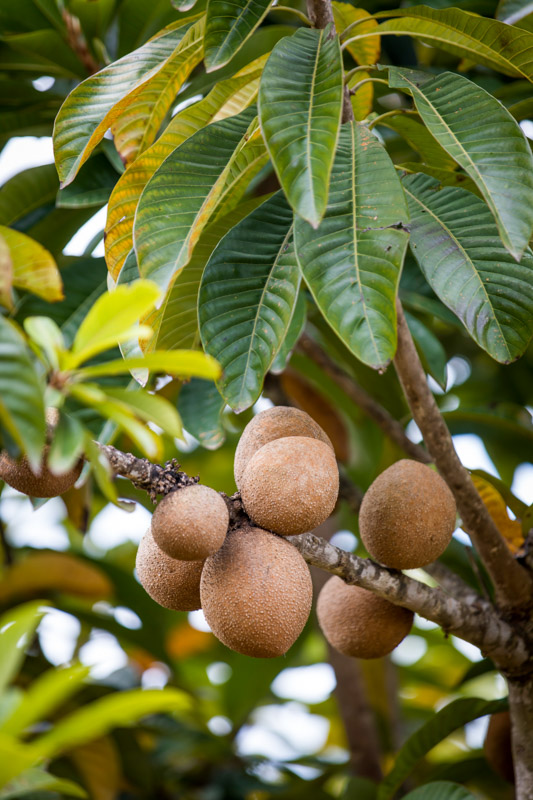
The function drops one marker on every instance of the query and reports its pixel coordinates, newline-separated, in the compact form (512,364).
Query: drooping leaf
(25,264)
(456,244)
(151,407)
(456,111)
(137,126)
(247,298)
(440,790)
(228,26)
(201,405)
(489,42)
(300,106)
(27,191)
(67,444)
(294,332)
(21,395)
(180,198)
(47,335)
(352,263)
(227,98)
(93,106)
(364,51)
(181,363)
(419,138)
(92,186)
(448,719)
(17,627)
(50,571)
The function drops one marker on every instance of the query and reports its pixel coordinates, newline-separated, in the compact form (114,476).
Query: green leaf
(45,694)
(179,199)
(484,139)
(456,243)
(448,719)
(419,138)
(93,106)
(228,25)
(45,333)
(201,405)
(34,781)
(300,107)
(484,41)
(101,471)
(181,363)
(432,353)
(294,331)
(92,186)
(17,628)
(21,394)
(115,710)
(247,297)
(112,319)
(440,790)
(15,757)
(67,444)
(151,408)
(26,192)
(352,263)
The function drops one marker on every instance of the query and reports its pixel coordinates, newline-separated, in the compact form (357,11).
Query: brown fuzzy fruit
(407,516)
(291,485)
(191,523)
(497,746)
(18,474)
(274,423)
(256,593)
(358,623)
(171,583)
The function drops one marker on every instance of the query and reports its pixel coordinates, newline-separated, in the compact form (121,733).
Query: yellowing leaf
(363,98)
(226,99)
(98,763)
(181,363)
(138,125)
(184,641)
(59,572)
(25,264)
(510,529)
(364,51)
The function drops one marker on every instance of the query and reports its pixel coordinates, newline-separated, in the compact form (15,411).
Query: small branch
(153,478)
(77,42)
(452,583)
(476,622)
(390,427)
(512,583)
(320,13)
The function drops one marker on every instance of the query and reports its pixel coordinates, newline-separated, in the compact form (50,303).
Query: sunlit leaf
(150,407)
(34,781)
(25,264)
(364,51)
(17,627)
(228,26)
(181,363)
(510,529)
(67,444)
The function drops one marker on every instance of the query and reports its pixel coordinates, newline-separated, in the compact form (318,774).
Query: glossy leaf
(27,191)
(363,51)
(93,106)
(227,98)
(294,332)
(21,394)
(489,42)
(512,11)
(300,106)
(201,405)
(180,198)
(420,139)
(25,264)
(440,790)
(112,319)
(440,725)
(92,186)
(456,244)
(17,627)
(150,407)
(432,353)
(247,297)
(181,363)
(137,126)
(228,26)
(484,139)
(352,263)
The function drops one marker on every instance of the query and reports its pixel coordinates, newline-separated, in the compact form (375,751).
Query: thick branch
(390,426)
(475,622)
(452,583)
(521,707)
(512,583)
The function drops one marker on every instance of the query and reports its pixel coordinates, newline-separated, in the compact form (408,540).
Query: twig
(77,42)
(512,583)
(153,478)
(390,426)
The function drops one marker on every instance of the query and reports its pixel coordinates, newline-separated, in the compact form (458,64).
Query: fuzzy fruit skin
(358,623)
(256,593)
(274,423)
(19,475)
(171,583)
(191,523)
(291,485)
(497,746)
(407,516)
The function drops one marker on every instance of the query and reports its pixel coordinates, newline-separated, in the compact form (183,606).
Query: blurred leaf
(57,572)
(21,394)
(228,26)
(45,333)
(15,758)
(102,471)
(98,763)
(432,353)
(476,669)
(180,363)
(34,781)
(294,331)
(300,106)
(26,191)
(17,628)
(183,641)
(517,506)
(201,405)
(25,264)
(254,265)
(510,529)
(440,790)
(150,407)
(512,11)
(67,444)
(92,186)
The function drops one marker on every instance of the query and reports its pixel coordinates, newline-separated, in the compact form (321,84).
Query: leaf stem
(362,68)
(295,11)
(350,28)
(378,120)
(357,86)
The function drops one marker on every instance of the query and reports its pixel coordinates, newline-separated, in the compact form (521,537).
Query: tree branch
(153,478)
(512,583)
(390,426)
(452,583)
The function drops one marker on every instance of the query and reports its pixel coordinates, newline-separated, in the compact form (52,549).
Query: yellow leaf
(60,572)
(25,264)
(364,51)
(184,641)
(363,98)
(98,764)
(228,98)
(510,529)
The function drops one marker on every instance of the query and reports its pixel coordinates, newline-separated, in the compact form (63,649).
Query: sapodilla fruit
(256,593)
(358,623)
(274,423)
(497,746)
(407,516)
(18,474)
(190,523)
(291,485)
(171,583)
